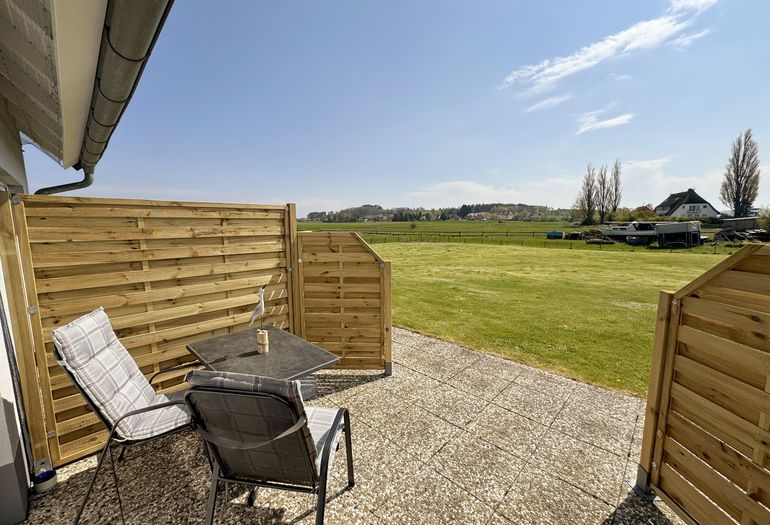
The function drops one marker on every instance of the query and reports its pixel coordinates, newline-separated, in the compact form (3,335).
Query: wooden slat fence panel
(707,434)
(167,273)
(345,301)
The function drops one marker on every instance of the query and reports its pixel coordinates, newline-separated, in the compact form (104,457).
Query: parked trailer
(678,234)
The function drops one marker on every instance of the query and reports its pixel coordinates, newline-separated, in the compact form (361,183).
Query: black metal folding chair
(259,433)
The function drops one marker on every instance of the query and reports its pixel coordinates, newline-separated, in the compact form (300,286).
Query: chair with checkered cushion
(114,387)
(260,433)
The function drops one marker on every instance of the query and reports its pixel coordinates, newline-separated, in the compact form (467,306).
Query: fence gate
(707,428)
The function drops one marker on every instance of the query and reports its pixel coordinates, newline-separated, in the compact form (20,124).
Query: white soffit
(77,32)
(28,80)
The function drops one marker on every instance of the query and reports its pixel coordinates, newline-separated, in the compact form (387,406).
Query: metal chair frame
(123,443)
(319,488)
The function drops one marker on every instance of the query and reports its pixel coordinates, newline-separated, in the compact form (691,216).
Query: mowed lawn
(587,315)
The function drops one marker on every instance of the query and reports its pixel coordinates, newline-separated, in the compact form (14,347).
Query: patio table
(290,357)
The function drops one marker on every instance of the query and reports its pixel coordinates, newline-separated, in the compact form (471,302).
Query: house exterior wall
(695,210)
(12,173)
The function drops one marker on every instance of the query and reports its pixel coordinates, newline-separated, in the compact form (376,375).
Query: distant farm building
(742,223)
(686,204)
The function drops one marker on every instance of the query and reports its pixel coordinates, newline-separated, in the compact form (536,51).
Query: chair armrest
(173,368)
(142,411)
(326,453)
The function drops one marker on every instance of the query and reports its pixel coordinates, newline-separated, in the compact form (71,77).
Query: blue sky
(436,103)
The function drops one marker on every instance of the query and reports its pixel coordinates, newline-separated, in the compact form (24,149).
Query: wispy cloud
(463,190)
(591,121)
(646,165)
(648,34)
(680,6)
(683,41)
(548,103)
(551,191)
(619,77)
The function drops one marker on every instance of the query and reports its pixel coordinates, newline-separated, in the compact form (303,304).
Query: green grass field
(437,226)
(515,233)
(584,314)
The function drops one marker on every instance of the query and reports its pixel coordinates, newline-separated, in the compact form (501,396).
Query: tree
(603,194)
(586,199)
(764,218)
(741,180)
(617,190)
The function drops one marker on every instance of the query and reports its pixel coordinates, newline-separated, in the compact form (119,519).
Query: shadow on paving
(633,510)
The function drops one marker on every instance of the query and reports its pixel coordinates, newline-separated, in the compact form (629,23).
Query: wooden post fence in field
(167,274)
(707,424)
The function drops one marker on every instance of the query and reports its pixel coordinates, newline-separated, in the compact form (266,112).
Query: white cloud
(644,165)
(646,181)
(683,41)
(590,121)
(551,191)
(647,34)
(679,6)
(619,77)
(449,193)
(548,103)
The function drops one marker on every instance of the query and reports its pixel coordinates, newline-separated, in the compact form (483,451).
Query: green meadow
(585,314)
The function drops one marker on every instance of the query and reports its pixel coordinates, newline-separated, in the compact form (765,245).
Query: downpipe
(88,179)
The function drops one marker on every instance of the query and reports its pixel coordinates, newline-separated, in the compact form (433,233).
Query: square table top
(290,357)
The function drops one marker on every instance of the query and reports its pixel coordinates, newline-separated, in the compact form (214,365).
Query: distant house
(479,216)
(686,204)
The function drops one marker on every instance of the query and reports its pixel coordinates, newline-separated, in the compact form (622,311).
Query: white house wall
(684,211)
(12,171)
(6,384)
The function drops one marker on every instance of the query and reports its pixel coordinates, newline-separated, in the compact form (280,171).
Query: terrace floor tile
(537,497)
(596,471)
(539,404)
(484,470)
(453,436)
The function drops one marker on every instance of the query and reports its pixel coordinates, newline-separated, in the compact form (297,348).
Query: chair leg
(93,480)
(349,450)
(212,495)
(321,504)
(122,453)
(117,488)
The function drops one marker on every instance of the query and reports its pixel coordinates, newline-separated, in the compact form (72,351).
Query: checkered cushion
(289,390)
(89,349)
(319,420)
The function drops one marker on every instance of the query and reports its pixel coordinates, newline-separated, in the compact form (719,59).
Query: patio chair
(259,433)
(116,390)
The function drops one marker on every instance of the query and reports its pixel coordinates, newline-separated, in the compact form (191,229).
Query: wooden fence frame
(166,272)
(706,434)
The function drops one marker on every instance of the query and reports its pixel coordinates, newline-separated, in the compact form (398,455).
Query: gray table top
(290,357)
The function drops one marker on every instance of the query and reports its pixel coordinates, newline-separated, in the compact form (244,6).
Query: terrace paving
(454,436)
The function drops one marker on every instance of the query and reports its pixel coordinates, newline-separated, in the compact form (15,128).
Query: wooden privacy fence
(707,428)
(345,301)
(167,273)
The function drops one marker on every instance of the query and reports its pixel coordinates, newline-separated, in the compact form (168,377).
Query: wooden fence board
(712,437)
(170,273)
(344,306)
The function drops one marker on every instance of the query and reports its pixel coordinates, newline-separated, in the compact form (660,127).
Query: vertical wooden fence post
(38,342)
(293,261)
(386,302)
(653,395)
(22,333)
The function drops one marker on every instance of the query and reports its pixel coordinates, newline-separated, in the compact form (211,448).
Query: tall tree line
(740,184)
(600,193)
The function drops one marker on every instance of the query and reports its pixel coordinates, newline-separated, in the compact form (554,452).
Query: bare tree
(617,190)
(741,180)
(586,199)
(603,194)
